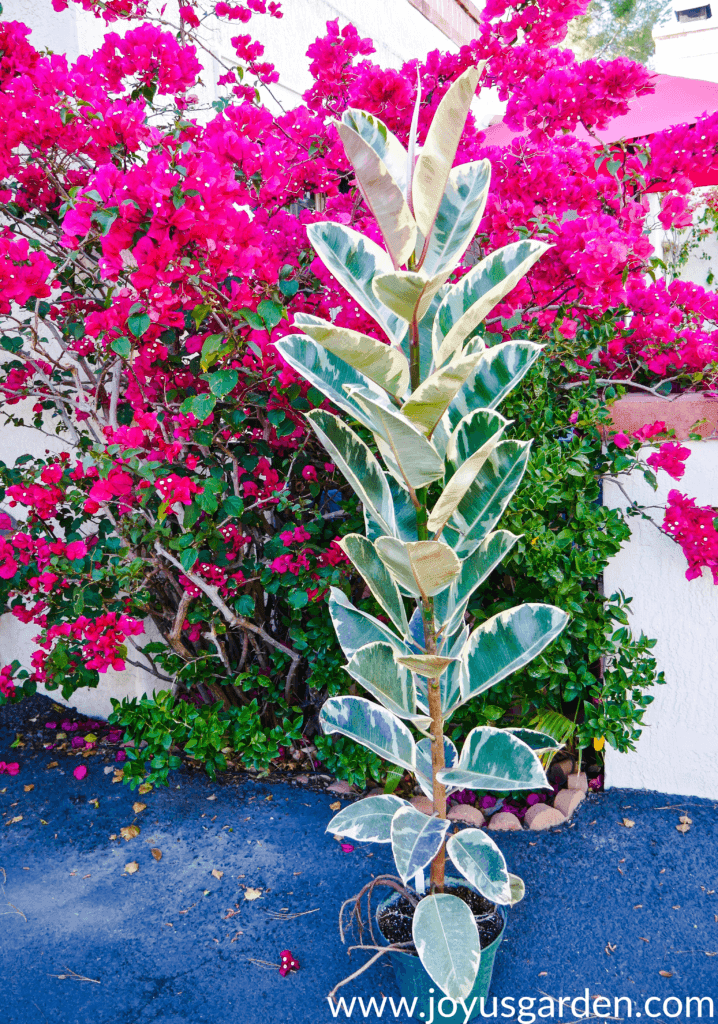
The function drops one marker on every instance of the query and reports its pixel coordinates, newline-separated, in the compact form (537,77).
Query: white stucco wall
(678,750)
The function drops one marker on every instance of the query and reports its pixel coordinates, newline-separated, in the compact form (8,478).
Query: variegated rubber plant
(428,394)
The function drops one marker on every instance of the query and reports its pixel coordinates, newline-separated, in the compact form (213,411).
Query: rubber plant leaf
(424,770)
(407,293)
(428,665)
(373,667)
(493,377)
(357,464)
(385,365)
(368,820)
(482,864)
(372,726)
(432,398)
(447,941)
(384,143)
(505,643)
(473,297)
(382,195)
(541,742)
(362,553)
(422,567)
(434,162)
(518,889)
(496,760)
(460,212)
(451,604)
(355,628)
(354,261)
(416,839)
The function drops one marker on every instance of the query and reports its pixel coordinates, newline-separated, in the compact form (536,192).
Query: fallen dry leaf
(610,948)
(29,788)
(666,974)
(119,775)
(217,874)
(270,797)
(252,894)
(627,823)
(213,797)
(638,906)
(543,974)
(14,820)
(685,820)
(130,832)
(685,827)
(157,854)
(132,867)
(52,764)
(42,821)
(137,807)
(144,789)
(113,836)
(642,939)
(336,806)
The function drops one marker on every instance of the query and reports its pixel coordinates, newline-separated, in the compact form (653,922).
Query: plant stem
(437,743)
(414,354)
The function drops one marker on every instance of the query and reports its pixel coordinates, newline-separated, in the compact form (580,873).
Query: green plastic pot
(414,982)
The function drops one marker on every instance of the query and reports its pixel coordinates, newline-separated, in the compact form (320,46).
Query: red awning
(675,101)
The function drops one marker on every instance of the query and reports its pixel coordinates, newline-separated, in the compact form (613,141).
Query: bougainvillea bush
(152,251)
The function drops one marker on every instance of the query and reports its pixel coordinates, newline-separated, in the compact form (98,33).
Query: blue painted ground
(607,907)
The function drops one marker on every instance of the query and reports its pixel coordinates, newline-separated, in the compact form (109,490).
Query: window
(695,14)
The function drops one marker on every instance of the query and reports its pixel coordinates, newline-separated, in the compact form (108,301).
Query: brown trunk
(437,763)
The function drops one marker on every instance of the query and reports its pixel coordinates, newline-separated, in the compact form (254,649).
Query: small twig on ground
(74,976)
(277,915)
(14,909)
(263,963)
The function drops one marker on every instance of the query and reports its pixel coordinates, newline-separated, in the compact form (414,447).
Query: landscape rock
(301,779)
(423,804)
(541,816)
(560,769)
(468,814)
(342,787)
(504,821)
(567,800)
(578,781)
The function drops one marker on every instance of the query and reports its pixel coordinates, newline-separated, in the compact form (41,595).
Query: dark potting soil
(395,920)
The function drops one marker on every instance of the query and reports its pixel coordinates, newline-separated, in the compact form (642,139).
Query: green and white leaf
(496,760)
(470,445)
(416,458)
(423,567)
(382,194)
(384,143)
(357,464)
(473,297)
(373,667)
(416,839)
(404,512)
(450,605)
(354,261)
(518,889)
(460,212)
(363,556)
(541,742)
(433,164)
(355,628)
(424,768)
(367,820)
(447,941)
(506,643)
(431,666)
(327,373)
(371,725)
(484,502)
(407,293)
(432,398)
(482,863)
(493,377)
(384,364)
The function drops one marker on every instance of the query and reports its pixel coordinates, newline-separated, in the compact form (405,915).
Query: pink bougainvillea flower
(670,457)
(287,963)
(77,741)
(347,847)
(121,755)
(12,768)
(621,440)
(80,772)
(51,725)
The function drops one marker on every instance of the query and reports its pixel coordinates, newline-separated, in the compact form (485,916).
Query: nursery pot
(413,981)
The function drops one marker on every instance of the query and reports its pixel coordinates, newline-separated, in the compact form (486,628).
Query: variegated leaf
(424,767)
(541,742)
(483,504)
(426,355)
(354,261)
(416,839)
(363,556)
(505,643)
(384,143)
(422,567)
(373,666)
(327,373)
(384,364)
(428,665)
(447,941)
(482,863)
(518,889)
(470,445)
(355,628)
(496,760)
(437,154)
(461,209)
(372,726)
(432,398)
(382,195)
(450,606)
(415,457)
(493,377)
(357,464)
(473,297)
(404,513)
(367,820)
(407,293)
